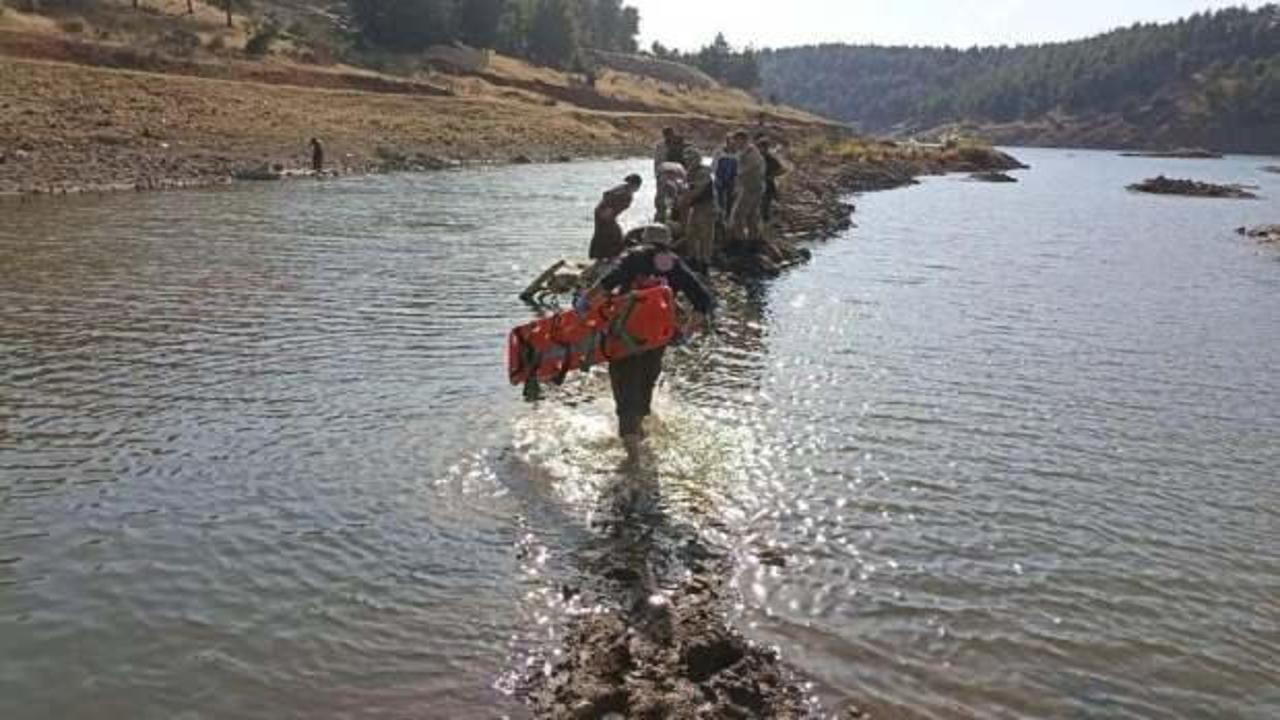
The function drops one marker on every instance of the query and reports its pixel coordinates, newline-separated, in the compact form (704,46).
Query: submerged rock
(993,177)
(1184,153)
(1272,169)
(684,661)
(1191,188)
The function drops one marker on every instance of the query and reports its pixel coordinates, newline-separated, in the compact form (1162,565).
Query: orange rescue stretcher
(620,326)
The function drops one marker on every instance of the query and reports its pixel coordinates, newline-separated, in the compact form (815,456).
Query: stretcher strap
(618,327)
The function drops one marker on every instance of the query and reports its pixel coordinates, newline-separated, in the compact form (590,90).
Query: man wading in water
(650,264)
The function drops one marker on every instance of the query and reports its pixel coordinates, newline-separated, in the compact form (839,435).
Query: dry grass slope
(119,98)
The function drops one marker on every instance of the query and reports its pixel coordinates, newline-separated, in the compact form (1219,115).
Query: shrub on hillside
(179,42)
(260,42)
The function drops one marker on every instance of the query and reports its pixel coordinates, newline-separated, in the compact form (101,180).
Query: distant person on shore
(696,210)
(608,242)
(774,168)
(744,219)
(724,169)
(317,156)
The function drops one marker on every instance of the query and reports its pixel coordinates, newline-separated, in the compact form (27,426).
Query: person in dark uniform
(317,156)
(608,241)
(774,168)
(634,378)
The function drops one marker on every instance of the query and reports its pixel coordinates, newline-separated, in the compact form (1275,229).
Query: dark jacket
(640,263)
(773,169)
(726,172)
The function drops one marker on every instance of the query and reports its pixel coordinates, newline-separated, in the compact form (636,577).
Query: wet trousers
(633,380)
(744,221)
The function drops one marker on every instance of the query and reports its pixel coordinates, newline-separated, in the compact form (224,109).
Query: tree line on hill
(1220,68)
(549,32)
(720,60)
(554,33)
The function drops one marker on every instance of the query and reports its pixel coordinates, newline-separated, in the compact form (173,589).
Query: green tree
(479,21)
(715,58)
(744,70)
(630,30)
(405,24)
(553,34)
(1206,72)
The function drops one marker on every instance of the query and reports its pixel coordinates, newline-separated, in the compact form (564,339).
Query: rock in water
(683,663)
(1262,233)
(993,177)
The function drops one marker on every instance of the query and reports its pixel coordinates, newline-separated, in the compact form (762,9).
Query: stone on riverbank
(1191,188)
(262,173)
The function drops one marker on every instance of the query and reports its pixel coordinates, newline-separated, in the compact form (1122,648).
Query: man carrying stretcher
(650,264)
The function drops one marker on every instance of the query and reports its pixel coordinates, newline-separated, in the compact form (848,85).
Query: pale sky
(689,24)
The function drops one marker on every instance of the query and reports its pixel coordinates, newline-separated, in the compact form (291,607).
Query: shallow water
(1002,451)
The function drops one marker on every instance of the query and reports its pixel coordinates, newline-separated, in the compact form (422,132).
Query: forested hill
(1210,80)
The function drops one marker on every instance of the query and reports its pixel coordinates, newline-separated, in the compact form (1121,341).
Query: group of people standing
(724,207)
(700,211)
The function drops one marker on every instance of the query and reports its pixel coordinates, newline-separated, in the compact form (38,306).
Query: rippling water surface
(1002,451)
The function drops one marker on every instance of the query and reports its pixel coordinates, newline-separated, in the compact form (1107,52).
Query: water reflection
(970,461)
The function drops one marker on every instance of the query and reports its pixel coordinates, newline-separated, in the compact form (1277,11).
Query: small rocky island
(1192,188)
